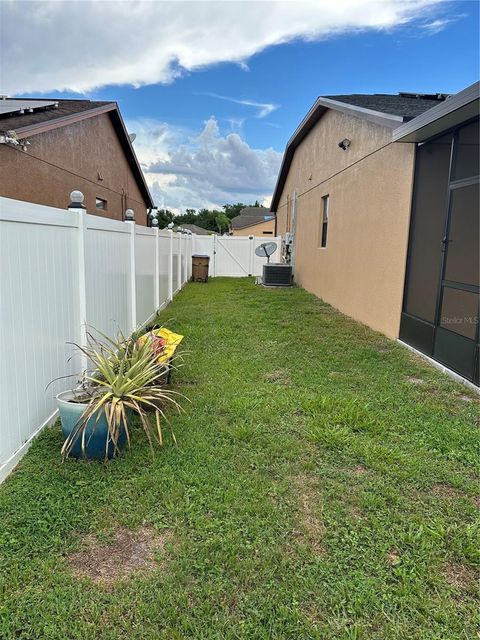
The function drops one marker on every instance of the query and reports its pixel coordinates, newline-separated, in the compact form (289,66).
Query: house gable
(86,154)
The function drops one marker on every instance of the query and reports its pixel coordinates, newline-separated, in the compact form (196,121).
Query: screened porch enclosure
(441,298)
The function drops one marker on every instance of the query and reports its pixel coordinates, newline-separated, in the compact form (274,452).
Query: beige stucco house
(253,221)
(354,173)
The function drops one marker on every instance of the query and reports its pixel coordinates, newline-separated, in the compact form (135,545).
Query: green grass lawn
(323,486)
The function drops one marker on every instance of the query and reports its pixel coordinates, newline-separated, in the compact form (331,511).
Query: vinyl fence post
(156,288)
(182,258)
(192,251)
(214,255)
(133,287)
(179,261)
(251,257)
(76,205)
(190,254)
(170,265)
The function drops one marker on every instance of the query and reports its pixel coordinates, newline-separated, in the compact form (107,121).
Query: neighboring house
(199,231)
(367,181)
(51,147)
(253,221)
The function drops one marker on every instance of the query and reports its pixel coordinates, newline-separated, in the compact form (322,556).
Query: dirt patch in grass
(312,529)
(393,557)
(277,377)
(444,490)
(465,398)
(124,553)
(383,348)
(415,381)
(460,577)
(357,514)
(358,470)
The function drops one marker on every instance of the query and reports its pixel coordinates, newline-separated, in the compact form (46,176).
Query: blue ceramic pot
(96,431)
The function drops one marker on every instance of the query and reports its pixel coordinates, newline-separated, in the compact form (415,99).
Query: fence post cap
(76,200)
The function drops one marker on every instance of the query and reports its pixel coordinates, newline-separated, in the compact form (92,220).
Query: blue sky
(293,75)
(212,129)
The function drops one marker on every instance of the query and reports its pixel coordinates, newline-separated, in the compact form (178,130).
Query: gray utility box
(277,275)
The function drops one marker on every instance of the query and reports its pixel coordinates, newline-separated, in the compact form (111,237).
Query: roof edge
(63,121)
(253,224)
(112,108)
(137,167)
(452,111)
(310,120)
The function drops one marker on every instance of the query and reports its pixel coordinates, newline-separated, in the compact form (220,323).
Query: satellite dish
(265,250)
(132,136)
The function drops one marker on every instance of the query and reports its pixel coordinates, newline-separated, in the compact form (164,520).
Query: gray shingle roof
(251,215)
(381,108)
(65,108)
(194,228)
(408,105)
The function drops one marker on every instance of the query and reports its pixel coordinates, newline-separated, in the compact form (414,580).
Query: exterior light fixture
(76,200)
(130,215)
(344,144)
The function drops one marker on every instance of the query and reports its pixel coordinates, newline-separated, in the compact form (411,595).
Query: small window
(324,222)
(100,203)
(268,233)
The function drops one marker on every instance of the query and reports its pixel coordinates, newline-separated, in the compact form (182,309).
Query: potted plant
(125,380)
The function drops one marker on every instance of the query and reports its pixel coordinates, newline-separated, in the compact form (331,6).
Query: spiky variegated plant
(125,378)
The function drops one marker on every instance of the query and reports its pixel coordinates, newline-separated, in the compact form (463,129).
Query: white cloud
(207,169)
(82,45)
(264,108)
(435,26)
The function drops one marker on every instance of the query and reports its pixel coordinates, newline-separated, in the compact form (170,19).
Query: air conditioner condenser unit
(277,275)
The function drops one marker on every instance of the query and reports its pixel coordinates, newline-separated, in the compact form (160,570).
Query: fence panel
(164,251)
(183,251)
(38,316)
(59,269)
(176,262)
(107,275)
(205,246)
(234,256)
(144,273)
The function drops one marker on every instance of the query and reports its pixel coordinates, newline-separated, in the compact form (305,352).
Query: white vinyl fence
(234,256)
(61,270)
